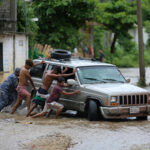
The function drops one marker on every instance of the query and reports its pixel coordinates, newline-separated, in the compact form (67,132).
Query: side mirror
(71,82)
(128,80)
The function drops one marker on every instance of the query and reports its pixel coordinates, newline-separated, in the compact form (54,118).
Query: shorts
(42,91)
(22,92)
(40,97)
(52,106)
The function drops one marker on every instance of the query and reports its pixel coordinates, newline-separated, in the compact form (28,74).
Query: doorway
(1,56)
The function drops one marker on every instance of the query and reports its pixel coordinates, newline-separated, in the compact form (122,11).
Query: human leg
(32,108)
(58,112)
(39,114)
(18,102)
(57,107)
(28,97)
(49,113)
(22,93)
(44,112)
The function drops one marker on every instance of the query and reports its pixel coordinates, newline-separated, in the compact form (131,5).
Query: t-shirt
(55,94)
(101,57)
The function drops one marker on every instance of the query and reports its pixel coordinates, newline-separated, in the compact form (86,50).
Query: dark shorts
(42,91)
(40,97)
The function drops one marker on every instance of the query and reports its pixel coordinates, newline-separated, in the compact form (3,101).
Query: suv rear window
(37,71)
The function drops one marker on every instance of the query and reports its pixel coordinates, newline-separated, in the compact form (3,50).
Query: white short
(52,106)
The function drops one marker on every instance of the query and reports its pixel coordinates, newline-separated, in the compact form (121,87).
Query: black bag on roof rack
(60,54)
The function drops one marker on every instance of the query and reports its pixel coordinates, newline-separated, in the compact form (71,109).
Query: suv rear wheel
(93,112)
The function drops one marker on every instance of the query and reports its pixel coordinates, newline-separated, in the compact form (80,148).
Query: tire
(142,118)
(60,54)
(93,111)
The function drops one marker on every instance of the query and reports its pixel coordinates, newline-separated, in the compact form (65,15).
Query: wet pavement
(75,132)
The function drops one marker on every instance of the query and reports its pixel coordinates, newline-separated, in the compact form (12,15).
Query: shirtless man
(23,83)
(42,92)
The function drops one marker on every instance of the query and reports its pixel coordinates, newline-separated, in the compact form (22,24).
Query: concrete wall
(15,51)
(134,33)
(8,15)
(21,53)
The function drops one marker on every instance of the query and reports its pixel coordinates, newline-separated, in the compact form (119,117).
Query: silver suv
(105,93)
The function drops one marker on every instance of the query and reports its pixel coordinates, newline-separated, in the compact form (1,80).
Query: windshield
(100,74)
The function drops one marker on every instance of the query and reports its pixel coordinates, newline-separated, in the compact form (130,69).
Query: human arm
(69,74)
(38,63)
(66,68)
(67,85)
(71,93)
(31,81)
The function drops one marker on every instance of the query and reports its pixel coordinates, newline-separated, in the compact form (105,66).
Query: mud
(73,132)
(51,142)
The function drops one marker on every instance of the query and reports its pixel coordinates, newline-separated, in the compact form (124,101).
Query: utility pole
(141,45)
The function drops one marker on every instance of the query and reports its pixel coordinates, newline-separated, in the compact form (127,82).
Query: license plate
(134,110)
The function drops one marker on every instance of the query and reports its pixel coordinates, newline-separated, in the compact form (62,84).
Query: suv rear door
(37,73)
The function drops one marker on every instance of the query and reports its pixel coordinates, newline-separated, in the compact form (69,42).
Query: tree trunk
(141,45)
(113,43)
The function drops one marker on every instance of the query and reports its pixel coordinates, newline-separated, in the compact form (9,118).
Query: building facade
(13,45)
(13,51)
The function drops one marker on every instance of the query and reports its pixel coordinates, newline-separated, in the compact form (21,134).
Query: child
(51,102)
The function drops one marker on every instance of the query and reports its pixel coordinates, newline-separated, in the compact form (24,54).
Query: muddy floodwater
(73,132)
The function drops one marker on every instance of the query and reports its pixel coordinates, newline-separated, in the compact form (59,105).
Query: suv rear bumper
(123,112)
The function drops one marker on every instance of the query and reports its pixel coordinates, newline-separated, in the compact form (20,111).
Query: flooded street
(72,132)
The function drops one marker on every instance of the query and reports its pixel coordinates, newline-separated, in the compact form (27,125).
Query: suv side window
(37,71)
(49,67)
(70,70)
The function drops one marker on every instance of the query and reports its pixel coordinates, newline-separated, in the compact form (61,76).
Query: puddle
(51,142)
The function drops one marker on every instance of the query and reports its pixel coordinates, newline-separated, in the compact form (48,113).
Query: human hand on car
(78,91)
(43,61)
(74,70)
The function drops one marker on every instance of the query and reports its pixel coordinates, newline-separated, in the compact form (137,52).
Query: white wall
(7,52)
(20,50)
(21,53)
(134,33)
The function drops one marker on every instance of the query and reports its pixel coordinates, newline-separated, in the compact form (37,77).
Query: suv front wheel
(93,111)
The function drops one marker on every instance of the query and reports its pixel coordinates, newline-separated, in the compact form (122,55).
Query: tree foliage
(117,16)
(29,27)
(21,17)
(59,21)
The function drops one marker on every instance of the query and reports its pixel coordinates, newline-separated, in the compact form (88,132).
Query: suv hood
(115,88)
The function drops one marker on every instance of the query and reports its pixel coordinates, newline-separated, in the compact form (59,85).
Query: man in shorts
(51,102)
(23,83)
(42,92)
(8,92)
